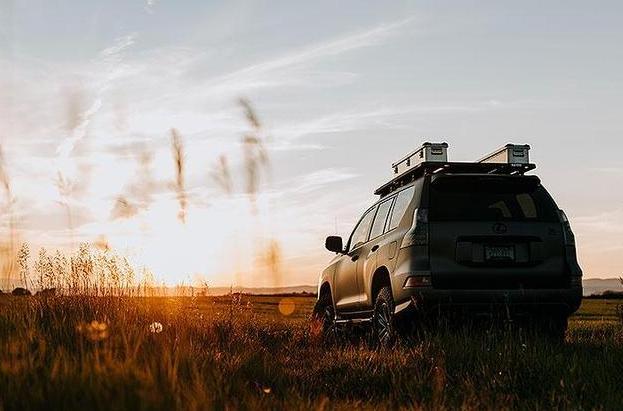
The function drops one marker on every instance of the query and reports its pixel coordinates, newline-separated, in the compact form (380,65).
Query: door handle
(376,247)
(355,257)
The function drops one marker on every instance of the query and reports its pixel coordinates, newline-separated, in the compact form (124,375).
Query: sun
(216,244)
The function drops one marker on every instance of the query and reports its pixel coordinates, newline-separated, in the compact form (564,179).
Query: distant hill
(599,285)
(310,289)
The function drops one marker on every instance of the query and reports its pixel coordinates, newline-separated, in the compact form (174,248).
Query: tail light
(418,234)
(567,233)
(570,253)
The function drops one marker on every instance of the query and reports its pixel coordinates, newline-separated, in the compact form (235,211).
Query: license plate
(499,253)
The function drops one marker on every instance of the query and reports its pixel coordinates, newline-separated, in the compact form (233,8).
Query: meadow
(259,352)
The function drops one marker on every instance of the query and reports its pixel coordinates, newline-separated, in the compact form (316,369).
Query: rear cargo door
(494,232)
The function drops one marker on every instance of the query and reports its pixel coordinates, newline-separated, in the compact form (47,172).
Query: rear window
(490,199)
(400,207)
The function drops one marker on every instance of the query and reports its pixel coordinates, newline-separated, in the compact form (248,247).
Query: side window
(381,217)
(360,234)
(402,202)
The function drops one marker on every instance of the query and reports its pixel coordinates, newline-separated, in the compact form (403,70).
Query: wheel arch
(380,279)
(325,289)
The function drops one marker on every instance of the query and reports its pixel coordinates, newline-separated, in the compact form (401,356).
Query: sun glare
(207,249)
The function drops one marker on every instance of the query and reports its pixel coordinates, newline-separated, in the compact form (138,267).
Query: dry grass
(256,157)
(221,175)
(238,352)
(93,270)
(8,245)
(177,147)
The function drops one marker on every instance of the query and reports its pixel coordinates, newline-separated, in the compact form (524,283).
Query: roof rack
(507,160)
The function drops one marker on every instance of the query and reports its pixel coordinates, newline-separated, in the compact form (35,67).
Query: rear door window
(381,216)
(490,199)
(400,207)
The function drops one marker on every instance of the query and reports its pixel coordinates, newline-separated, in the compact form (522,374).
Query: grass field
(246,353)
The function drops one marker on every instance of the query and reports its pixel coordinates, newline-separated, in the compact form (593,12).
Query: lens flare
(287,306)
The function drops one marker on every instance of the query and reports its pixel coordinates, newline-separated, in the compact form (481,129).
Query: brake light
(418,234)
(570,254)
(567,233)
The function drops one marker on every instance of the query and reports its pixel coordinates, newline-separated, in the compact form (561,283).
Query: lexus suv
(477,238)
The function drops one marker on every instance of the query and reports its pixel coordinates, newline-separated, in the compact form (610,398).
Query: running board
(361,320)
(353,320)
(402,307)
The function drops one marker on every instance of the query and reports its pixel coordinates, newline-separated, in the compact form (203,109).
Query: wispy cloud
(608,170)
(607,222)
(263,74)
(149,6)
(368,118)
(371,37)
(320,179)
(110,59)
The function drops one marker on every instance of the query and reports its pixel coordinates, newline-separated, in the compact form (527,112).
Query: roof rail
(511,159)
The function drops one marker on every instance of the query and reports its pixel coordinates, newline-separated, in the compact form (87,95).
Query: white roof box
(508,154)
(428,152)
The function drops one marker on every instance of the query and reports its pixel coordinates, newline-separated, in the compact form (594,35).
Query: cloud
(264,74)
(109,58)
(371,37)
(159,88)
(149,6)
(607,222)
(321,178)
(367,119)
(608,170)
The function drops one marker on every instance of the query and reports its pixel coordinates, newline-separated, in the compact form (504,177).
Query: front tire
(324,315)
(383,322)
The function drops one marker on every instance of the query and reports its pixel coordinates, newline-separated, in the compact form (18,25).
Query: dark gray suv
(481,238)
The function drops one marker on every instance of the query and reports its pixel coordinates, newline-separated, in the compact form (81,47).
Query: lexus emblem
(499,228)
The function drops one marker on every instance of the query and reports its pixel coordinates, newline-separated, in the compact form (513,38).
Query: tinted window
(402,202)
(360,234)
(490,199)
(381,216)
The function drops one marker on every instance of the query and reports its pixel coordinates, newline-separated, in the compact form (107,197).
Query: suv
(480,237)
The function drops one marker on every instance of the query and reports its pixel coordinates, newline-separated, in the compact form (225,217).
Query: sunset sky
(89,92)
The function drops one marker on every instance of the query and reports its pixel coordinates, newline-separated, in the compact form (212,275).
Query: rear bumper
(428,299)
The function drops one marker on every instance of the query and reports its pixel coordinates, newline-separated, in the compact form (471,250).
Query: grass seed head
(177,147)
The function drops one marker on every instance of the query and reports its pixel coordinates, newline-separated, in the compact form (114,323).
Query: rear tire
(383,323)
(552,327)
(556,328)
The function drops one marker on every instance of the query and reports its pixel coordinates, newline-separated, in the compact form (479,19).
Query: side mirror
(334,243)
